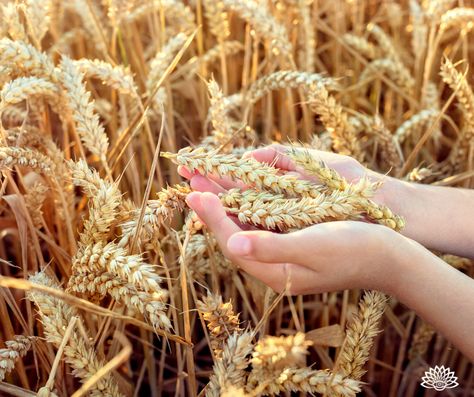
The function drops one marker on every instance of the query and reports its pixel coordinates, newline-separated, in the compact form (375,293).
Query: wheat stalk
(361,45)
(395,71)
(117,77)
(418,122)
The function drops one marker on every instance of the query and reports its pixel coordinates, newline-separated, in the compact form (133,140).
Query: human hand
(326,257)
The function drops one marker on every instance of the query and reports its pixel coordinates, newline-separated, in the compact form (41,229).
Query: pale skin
(342,255)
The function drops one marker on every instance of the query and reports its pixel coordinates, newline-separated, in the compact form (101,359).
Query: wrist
(407,259)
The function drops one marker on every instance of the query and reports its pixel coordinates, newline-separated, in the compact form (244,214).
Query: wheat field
(111,285)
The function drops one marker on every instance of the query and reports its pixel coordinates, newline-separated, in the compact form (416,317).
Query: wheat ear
(395,71)
(221,320)
(169,200)
(361,45)
(306,380)
(421,340)
(460,17)
(15,349)
(286,79)
(229,368)
(79,354)
(37,13)
(248,170)
(217,18)
(101,283)
(175,11)
(259,17)
(117,77)
(14,26)
(418,122)
(465,96)
(86,120)
(22,59)
(270,212)
(361,192)
(11,156)
(360,335)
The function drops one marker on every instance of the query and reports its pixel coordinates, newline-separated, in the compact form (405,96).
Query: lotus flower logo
(439,378)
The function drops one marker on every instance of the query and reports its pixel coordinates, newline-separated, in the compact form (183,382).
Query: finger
(289,277)
(184,172)
(274,155)
(227,183)
(204,184)
(301,175)
(209,208)
(270,247)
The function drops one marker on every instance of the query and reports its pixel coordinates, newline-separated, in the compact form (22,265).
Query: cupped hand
(326,257)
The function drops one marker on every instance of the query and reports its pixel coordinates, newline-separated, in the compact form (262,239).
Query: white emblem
(439,378)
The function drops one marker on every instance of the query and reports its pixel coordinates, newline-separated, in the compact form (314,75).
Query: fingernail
(239,245)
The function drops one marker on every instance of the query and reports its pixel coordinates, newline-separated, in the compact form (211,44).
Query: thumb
(266,246)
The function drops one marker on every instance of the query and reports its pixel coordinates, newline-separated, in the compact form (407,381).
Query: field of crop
(111,286)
